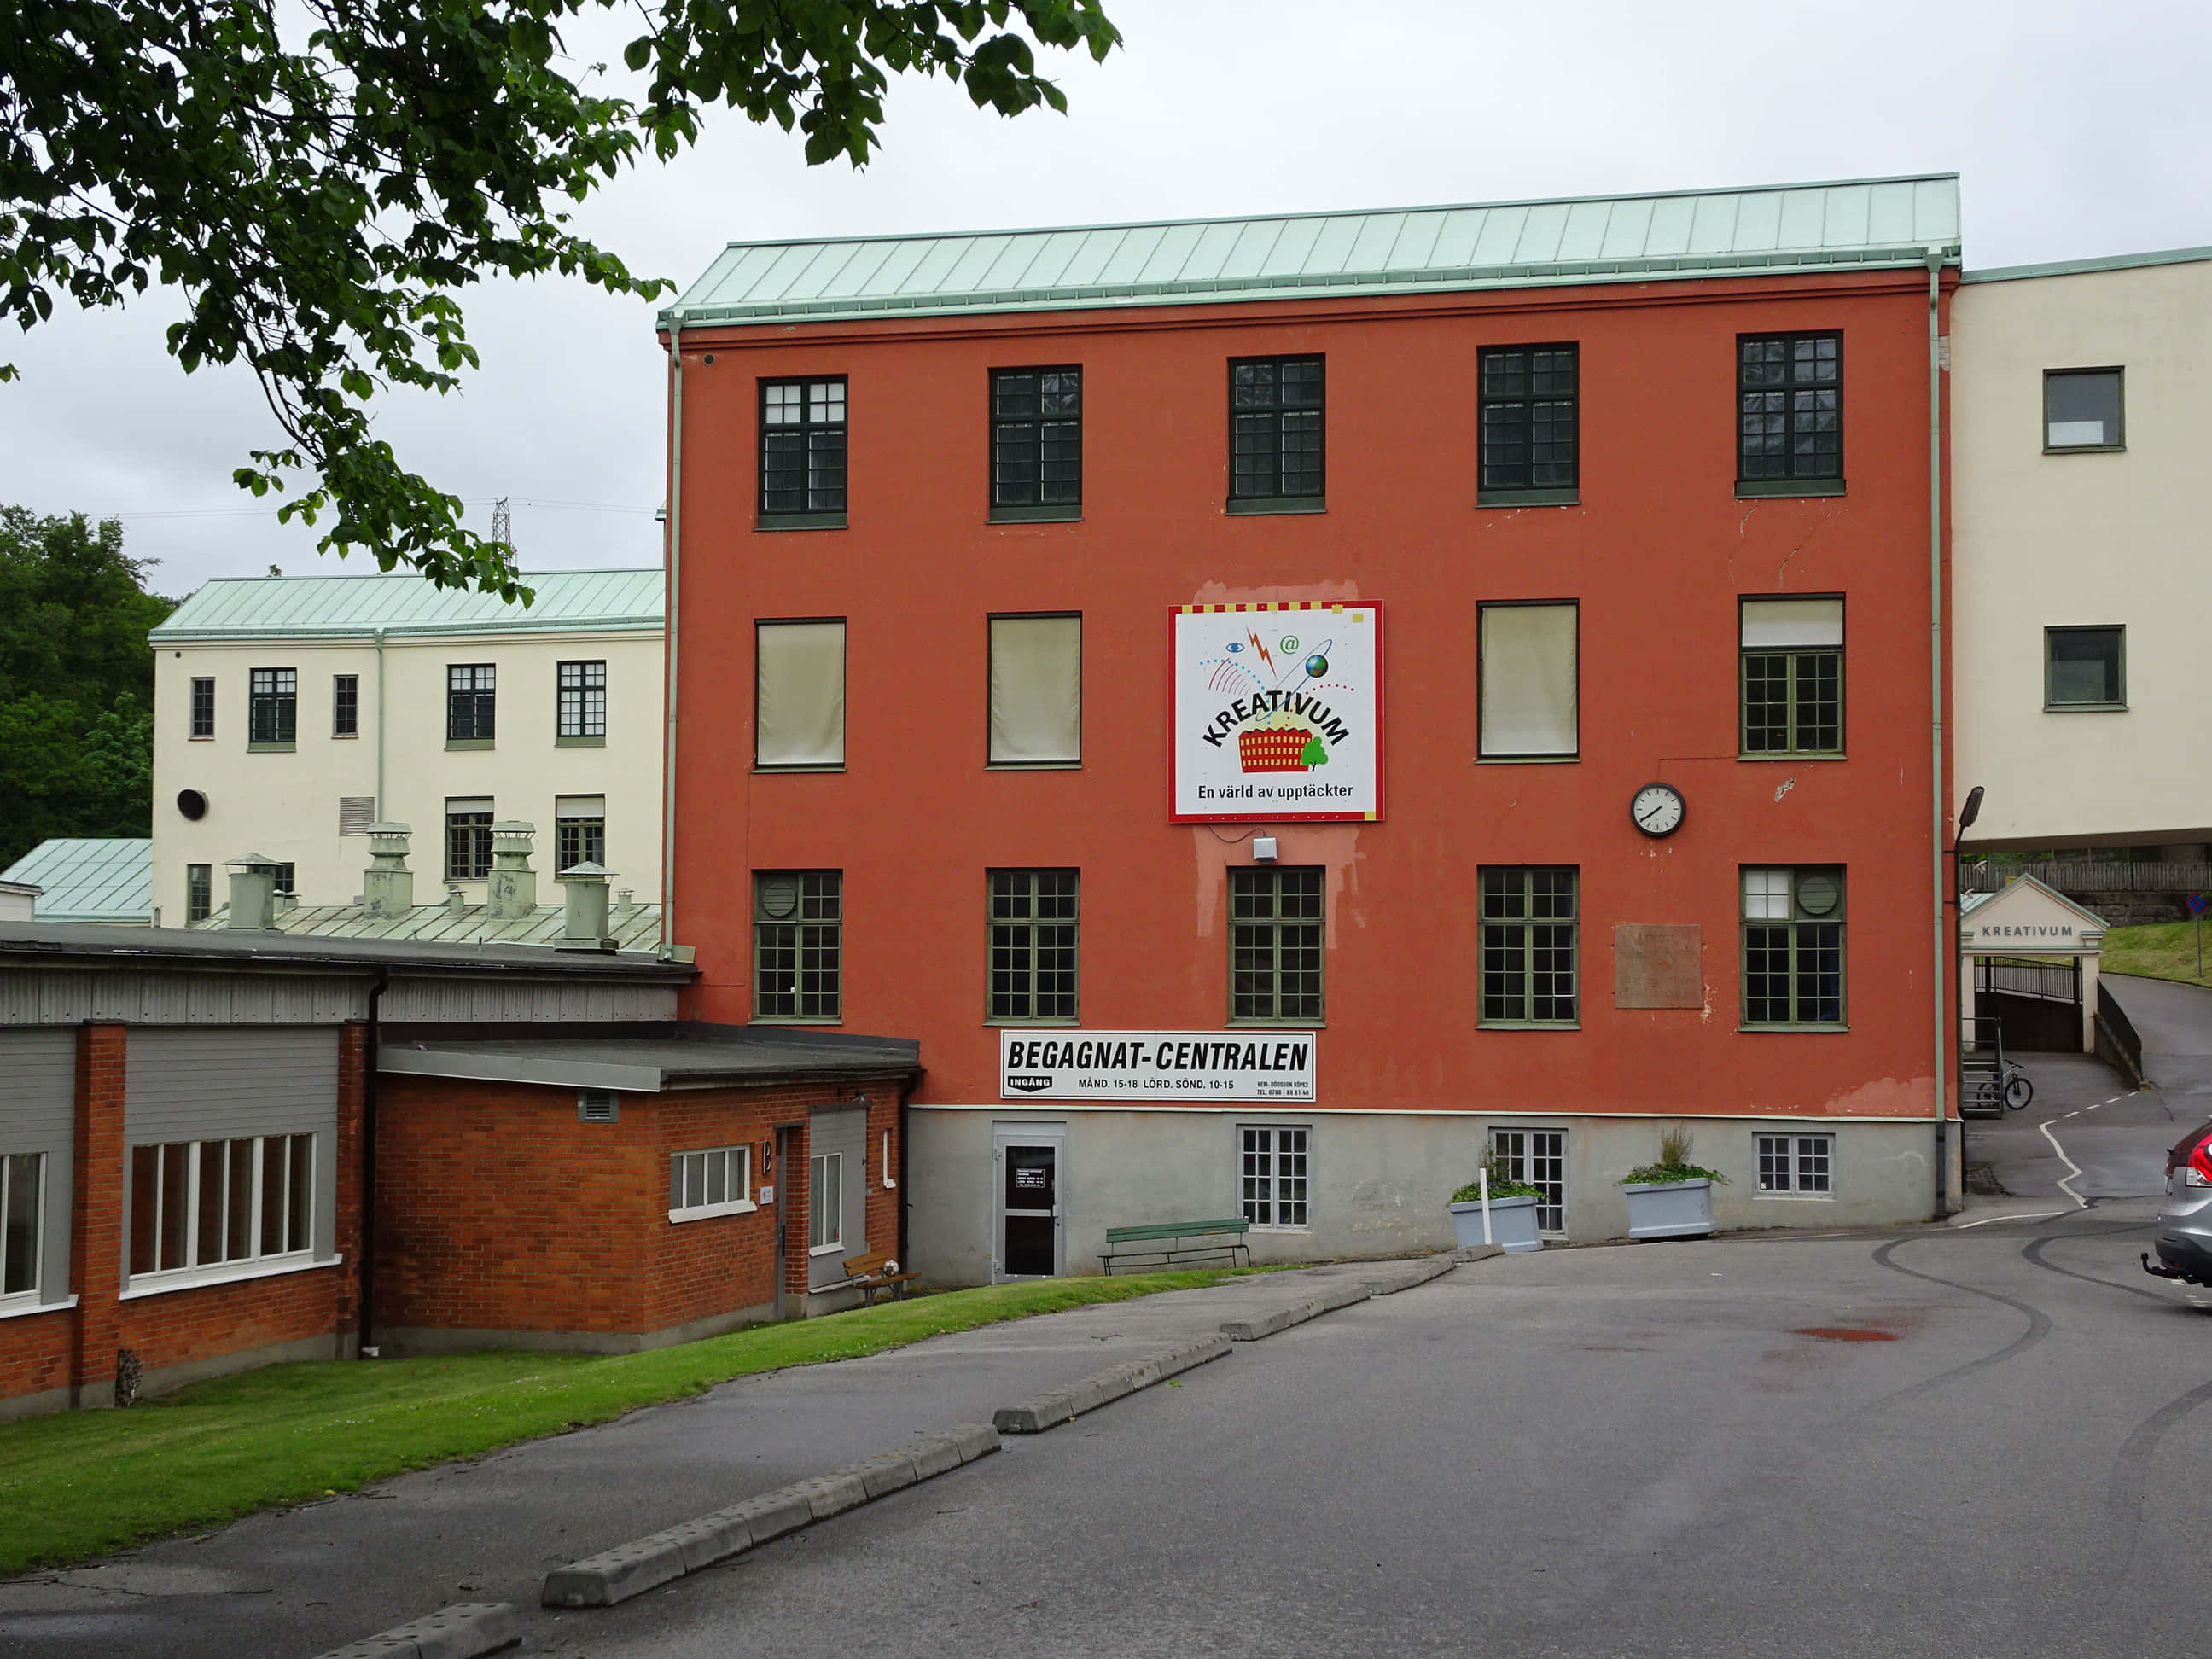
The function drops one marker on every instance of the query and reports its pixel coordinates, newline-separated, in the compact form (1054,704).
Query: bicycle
(2012,1088)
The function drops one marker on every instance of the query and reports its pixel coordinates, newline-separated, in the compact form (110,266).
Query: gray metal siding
(845,1132)
(194,1085)
(64,996)
(38,1114)
(455,1000)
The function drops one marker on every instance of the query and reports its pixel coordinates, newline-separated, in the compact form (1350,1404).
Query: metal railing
(2105,876)
(2053,981)
(2117,1041)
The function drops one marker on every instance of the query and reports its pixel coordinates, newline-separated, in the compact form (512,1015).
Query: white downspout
(382,810)
(1945,943)
(674,541)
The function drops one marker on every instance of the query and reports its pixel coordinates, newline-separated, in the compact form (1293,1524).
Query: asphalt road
(1983,1443)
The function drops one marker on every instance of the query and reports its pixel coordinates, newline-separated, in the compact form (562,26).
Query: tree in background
(321,181)
(76,682)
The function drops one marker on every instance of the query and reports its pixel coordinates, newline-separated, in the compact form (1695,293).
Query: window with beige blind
(1037,690)
(1528,707)
(800,706)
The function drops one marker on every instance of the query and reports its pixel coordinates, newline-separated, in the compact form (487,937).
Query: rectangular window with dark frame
(1036,443)
(1793,676)
(199,892)
(1275,434)
(2082,409)
(468,839)
(1530,438)
(345,705)
(471,702)
(1275,922)
(2085,668)
(1032,942)
(1795,1164)
(1789,396)
(580,831)
(1528,947)
(798,943)
(581,702)
(802,461)
(273,705)
(1793,946)
(202,707)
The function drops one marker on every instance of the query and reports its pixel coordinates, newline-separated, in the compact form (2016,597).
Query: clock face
(1657,809)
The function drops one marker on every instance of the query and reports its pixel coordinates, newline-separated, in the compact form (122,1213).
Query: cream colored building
(292,712)
(2081,576)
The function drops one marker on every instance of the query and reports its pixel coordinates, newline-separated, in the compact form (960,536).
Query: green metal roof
(107,881)
(309,607)
(2172,256)
(633,927)
(1787,228)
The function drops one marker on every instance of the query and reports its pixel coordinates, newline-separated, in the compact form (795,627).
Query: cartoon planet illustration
(1316,665)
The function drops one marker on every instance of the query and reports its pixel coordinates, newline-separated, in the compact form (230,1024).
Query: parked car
(2183,1241)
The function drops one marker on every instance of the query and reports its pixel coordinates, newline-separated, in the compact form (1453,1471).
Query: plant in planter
(1512,1210)
(1672,1198)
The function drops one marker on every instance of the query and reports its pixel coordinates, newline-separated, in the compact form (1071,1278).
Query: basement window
(1795,1164)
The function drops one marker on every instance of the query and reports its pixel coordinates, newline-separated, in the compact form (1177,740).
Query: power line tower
(502,524)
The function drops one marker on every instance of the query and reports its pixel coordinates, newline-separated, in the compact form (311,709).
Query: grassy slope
(2166,950)
(80,1484)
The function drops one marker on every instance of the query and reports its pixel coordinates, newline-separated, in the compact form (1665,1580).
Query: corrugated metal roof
(634,928)
(104,881)
(1862,223)
(306,607)
(2171,256)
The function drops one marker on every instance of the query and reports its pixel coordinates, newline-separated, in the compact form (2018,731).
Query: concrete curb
(1477,1252)
(1057,1406)
(1335,1296)
(1418,1272)
(460,1631)
(628,1570)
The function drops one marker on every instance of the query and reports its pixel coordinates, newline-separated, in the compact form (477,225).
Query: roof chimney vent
(387,888)
(511,892)
(584,907)
(254,892)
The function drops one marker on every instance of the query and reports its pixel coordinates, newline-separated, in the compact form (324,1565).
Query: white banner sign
(1156,1064)
(1278,713)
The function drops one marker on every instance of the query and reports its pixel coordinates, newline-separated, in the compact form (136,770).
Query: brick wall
(497,1210)
(36,1352)
(96,1204)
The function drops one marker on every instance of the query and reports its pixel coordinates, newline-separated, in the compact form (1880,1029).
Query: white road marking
(2080,1202)
(2040,1215)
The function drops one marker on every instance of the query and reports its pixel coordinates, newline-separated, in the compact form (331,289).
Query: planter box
(1669,1209)
(1512,1224)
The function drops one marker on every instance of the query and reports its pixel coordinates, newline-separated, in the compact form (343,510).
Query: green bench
(1176,1243)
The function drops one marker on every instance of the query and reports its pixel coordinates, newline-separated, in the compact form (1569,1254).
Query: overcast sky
(2080,130)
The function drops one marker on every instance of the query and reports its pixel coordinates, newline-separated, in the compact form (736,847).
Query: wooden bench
(1169,1243)
(877,1271)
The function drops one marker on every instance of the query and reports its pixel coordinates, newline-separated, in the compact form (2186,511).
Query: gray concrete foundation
(1379,1183)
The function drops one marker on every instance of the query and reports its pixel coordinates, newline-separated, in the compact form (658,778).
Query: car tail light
(2196,1169)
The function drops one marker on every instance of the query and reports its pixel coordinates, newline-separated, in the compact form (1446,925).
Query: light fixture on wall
(1263,849)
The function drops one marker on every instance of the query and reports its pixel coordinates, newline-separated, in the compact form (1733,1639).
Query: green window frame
(802,453)
(1790,676)
(1793,947)
(1276,921)
(1528,425)
(1531,946)
(1036,443)
(1789,414)
(799,945)
(1031,924)
(2067,652)
(272,707)
(1277,434)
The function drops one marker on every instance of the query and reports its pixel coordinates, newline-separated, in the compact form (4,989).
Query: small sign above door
(1157,1065)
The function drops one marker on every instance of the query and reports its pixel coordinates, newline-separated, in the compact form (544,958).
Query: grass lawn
(2165,950)
(81,1484)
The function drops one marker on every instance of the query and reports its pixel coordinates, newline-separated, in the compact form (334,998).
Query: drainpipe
(381,809)
(675,545)
(364,1341)
(1946,941)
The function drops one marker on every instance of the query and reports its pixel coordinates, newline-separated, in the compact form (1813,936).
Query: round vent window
(1818,896)
(191,804)
(779,897)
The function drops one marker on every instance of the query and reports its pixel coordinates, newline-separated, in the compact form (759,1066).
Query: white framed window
(22,1223)
(826,1226)
(1538,1158)
(196,1205)
(1272,1165)
(717,1181)
(1802,1165)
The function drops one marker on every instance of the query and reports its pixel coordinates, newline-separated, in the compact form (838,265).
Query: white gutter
(1946,939)
(673,541)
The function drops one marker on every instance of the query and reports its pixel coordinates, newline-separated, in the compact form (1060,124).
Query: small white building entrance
(2027,952)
